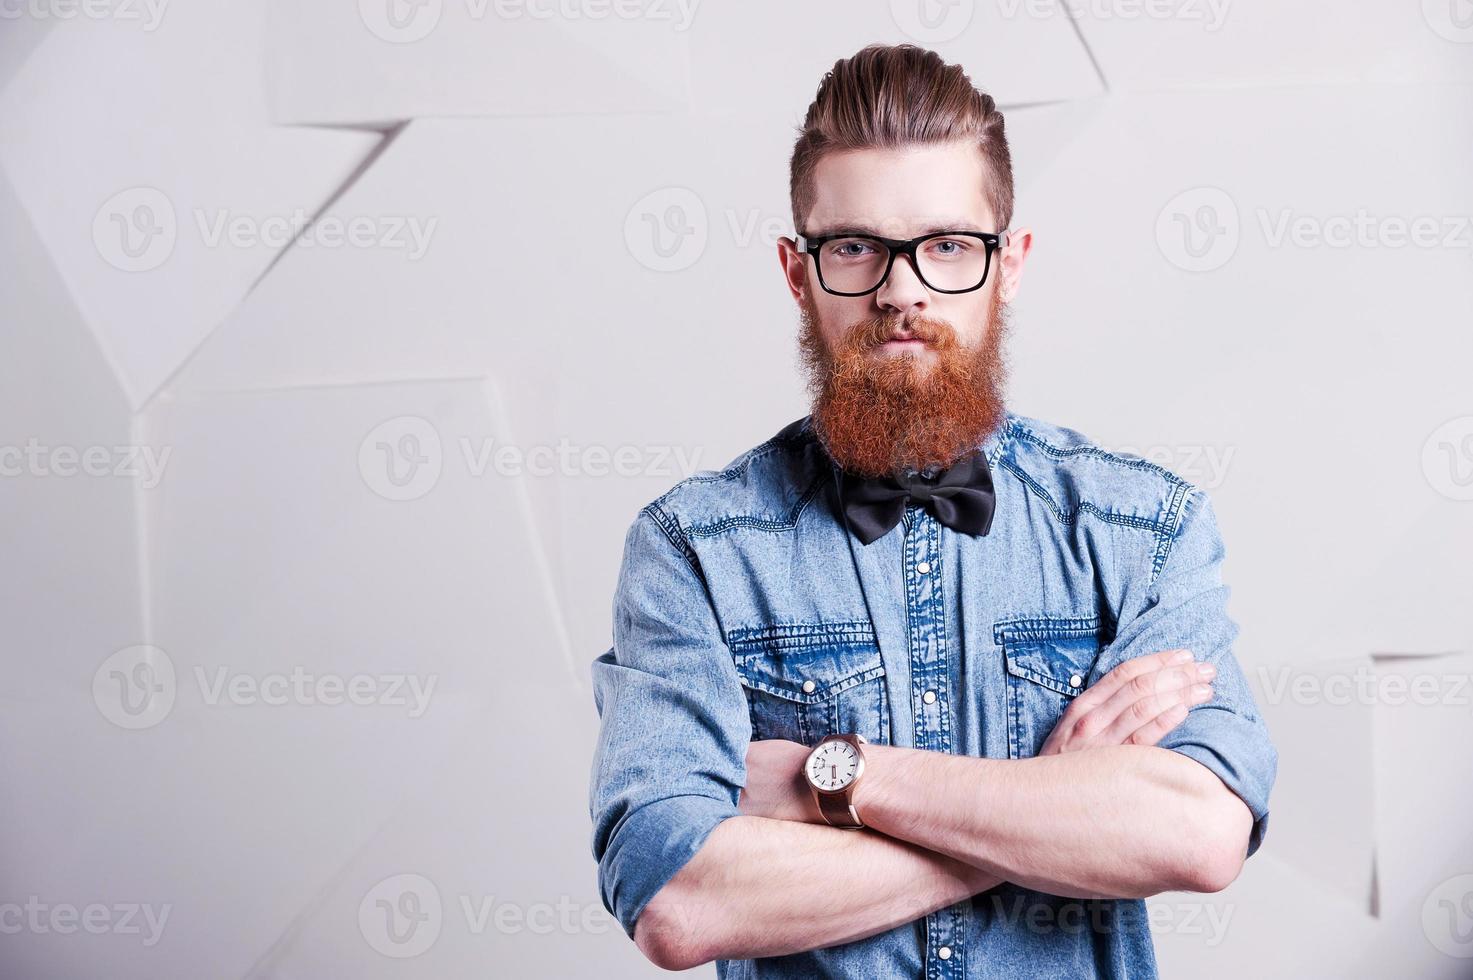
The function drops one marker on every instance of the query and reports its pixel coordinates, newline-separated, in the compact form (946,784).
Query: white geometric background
(310,532)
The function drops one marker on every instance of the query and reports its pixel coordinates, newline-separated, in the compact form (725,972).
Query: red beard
(879,414)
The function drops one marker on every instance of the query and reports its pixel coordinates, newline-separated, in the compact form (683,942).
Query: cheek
(835,320)
(970,321)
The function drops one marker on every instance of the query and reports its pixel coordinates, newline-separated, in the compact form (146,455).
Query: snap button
(924,567)
(1075,680)
(944,952)
(808,687)
(929,697)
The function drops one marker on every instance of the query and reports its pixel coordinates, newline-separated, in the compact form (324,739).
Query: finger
(1156,729)
(1103,689)
(1147,721)
(1142,698)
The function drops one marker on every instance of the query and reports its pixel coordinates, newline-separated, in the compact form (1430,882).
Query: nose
(903,290)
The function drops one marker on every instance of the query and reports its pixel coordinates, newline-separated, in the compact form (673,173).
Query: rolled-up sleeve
(670,760)
(1185,606)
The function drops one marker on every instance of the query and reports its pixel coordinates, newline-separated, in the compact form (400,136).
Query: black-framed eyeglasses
(946,261)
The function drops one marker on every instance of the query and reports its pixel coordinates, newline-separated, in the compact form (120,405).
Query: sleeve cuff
(1248,771)
(653,844)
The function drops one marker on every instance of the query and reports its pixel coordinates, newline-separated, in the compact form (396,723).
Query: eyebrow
(959,224)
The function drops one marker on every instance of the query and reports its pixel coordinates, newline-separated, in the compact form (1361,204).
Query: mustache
(874,331)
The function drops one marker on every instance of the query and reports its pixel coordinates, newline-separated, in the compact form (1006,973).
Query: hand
(1137,703)
(775,784)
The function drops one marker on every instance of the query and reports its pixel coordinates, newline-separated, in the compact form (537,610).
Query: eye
(948,247)
(851,248)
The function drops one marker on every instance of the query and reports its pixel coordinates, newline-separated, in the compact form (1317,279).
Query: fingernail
(1201,692)
(1206,671)
(1180,657)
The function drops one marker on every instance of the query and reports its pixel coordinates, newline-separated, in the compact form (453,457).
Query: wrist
(869,793)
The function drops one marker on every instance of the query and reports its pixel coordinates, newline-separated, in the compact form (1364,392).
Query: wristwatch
(833,769)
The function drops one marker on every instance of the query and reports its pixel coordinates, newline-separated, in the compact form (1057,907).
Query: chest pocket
(1048,662)
(808,680)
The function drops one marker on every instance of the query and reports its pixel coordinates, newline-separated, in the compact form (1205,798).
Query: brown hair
(894,95)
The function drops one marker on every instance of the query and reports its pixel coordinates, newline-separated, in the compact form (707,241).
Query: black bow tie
(961,497)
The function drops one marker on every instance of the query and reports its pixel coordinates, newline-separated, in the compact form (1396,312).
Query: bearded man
(918,687)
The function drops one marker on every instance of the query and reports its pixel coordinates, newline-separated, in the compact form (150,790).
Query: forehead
(901,193)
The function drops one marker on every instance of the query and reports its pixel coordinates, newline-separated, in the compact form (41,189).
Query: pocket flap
(1056,652)
(806,662)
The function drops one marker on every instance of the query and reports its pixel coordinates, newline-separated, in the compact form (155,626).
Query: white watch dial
(833,765)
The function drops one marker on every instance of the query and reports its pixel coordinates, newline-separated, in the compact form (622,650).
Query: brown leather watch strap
(838,811)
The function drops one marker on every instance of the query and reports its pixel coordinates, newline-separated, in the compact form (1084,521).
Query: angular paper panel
(70,594)
(166,192)
(378,61)
(492,860)
(1274,922)
(1424,727)
(1015,58)
(1266,326)
(338,603)
(1154,46)
(71,475)
(1321,811)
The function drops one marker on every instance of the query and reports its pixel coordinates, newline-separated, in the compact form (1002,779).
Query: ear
(1011,259)
(795,268)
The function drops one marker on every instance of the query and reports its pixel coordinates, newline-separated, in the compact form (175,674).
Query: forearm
(1109,822)
(765,887)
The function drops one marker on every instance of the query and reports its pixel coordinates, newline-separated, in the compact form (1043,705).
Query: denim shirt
(745,611)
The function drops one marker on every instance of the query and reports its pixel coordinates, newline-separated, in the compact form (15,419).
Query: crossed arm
(1130,795)
(1102,812)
